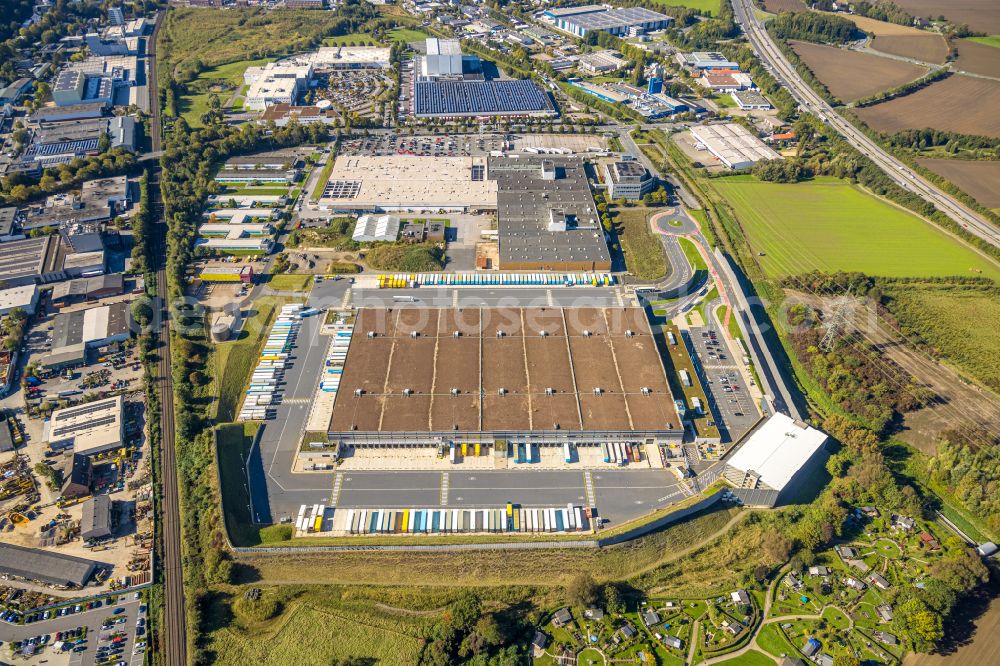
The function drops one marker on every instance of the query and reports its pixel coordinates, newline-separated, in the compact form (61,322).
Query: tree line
(813,27)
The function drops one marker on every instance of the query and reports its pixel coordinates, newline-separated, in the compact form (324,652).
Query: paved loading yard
(444,369)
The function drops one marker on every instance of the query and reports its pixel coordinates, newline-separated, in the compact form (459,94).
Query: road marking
(621,301)
(548,297)
(335,495)
(588,484)
(454,298)
(444,488)
(295,401)
(347,299)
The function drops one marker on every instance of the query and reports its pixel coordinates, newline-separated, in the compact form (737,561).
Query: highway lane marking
(338,481)
(588,484)
(454,298)
(548,297)
(444,488)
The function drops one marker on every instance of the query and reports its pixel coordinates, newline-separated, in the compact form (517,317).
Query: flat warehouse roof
(516,369)
(778,450)
(474,98)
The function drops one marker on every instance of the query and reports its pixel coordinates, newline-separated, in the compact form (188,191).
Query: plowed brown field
(979,179)
(838,69)
(956,104)
(903,40)
(980,15)
(775,6)
(978,58)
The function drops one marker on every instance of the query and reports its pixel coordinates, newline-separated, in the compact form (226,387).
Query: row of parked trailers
(265,381)
(336,357)
(310,518)
(453,521)
(621,453)
(402,280)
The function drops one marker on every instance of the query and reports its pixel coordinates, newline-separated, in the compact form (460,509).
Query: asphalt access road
(619,494)
(91,619)
(478,297)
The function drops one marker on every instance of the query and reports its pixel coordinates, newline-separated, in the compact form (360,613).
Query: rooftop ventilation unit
(371,334)
(586,334)
(501,392)
(407,391)
(629,333)
(456,334)
(598,390)
(413,334)
(645,390)
(455,391)
(358,393)
(550,391)
(500,334)
(545,334)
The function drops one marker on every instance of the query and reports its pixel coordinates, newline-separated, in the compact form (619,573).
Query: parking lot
(720,375)
(457,145)
(354,91)
(113,633)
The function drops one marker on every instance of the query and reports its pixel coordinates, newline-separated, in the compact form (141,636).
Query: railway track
(173,643)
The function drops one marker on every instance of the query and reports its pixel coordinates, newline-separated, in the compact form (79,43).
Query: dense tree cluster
(779,171)
(21,187)
(467,633)
(813,27)
(969,467)
(880,10)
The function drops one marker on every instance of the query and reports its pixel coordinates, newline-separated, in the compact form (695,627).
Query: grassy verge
(290,282)
(234,441)
(641,247)
(324,176)
(235,359)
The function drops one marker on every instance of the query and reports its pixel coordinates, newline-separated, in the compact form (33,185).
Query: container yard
(264,390)
(403,280)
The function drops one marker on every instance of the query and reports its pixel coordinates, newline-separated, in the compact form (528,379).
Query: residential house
(884,612)
(562,617)
(854,583)
(904,523)
(819,571)
(878,581)
(811,647)
(650,617)
(674,642)
(740,597)
(593,614)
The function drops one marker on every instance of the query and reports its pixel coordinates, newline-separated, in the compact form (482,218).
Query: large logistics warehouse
(548,376)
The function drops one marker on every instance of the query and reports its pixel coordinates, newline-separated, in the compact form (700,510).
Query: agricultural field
(903,40)
(838,70)
(980,15)
(960,324)
(981,180)
(640,246)
(956,104)
(776,6)
(991,40)
(828,224)
(978,58)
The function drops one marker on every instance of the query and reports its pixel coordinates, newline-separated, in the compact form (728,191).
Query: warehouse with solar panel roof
(448,84)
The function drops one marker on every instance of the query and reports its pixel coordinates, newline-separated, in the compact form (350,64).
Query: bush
(406,257)
(250,610)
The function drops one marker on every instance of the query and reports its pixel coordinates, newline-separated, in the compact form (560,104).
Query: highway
(899,172)
(173,641)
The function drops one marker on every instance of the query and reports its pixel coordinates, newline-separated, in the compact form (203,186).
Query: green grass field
(234,441)
(290,282)
(228,78)
(773,641)
(961,325)
(590,657)
(701,5)
(751,658)
(992,40)
(406,35)
(359,38)
(830,225)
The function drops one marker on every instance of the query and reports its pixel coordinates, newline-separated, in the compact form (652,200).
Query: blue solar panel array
(455,98)
(76,147)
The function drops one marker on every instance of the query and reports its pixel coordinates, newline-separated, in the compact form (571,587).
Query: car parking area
(723,381)
(354,91)
(109,630)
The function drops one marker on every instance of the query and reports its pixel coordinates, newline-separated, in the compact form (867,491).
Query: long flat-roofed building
(89,428)
(544,375)
(621,21)
(733,145)
(45,566)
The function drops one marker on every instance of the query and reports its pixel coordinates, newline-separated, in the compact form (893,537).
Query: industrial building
(409,183)
(44,566)
(89,428)
(88,289)
(38,260)
(601,62)
(750,100)
(23,298)
(628,180)
(706,60)
(218,273)
(546,217)
(74,333)
(774,460)
(457,99)
(79,478)
(548,376)
(442,58)
(343,57)
(275,84)
(621,22)
(717,81)
(371,228)
(96,521)
(237,244)
(279,176)
(733,145)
